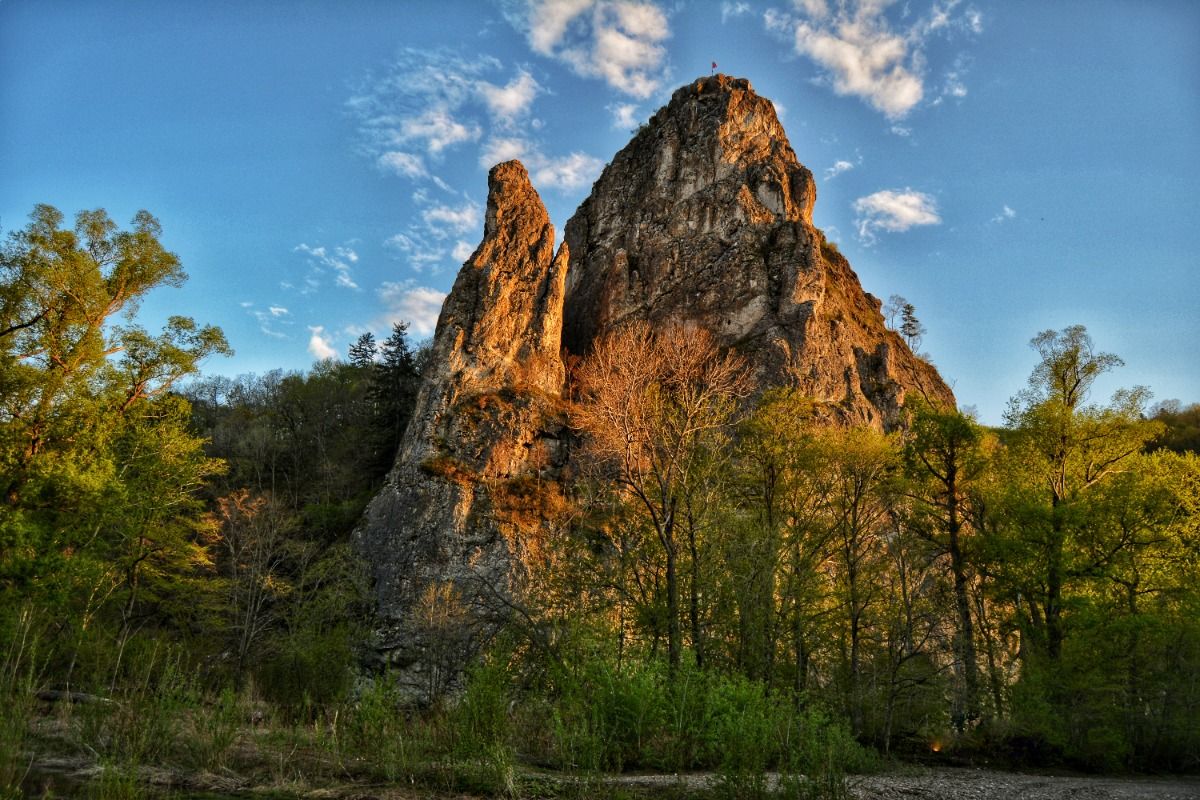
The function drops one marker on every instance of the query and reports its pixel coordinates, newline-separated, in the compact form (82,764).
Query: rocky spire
(706,215)
(442,535)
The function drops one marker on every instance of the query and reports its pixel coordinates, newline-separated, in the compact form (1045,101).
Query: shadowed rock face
(439,538)
(706,216)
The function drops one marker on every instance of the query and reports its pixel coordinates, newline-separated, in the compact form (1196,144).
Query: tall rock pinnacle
(442,534)
(706,216)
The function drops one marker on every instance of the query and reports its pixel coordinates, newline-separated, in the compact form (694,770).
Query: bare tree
(253,531)
(649,400)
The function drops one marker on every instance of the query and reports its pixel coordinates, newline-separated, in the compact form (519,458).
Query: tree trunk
(965,644)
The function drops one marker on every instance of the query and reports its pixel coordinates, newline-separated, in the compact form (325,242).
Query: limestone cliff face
(442,533)
(707,216)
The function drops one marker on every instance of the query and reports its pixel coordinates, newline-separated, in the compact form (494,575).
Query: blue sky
(321,167)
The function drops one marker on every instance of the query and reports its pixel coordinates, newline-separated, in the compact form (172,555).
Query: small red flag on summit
(714,66)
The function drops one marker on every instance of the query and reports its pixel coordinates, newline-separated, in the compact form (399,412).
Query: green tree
(1064,452)
(910,327)
(98,466)
(394,384)
(364,351)
(945,455)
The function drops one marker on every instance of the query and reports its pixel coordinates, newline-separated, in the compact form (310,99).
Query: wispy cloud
(511,102)
(427,104)
(624,115)
(502,148)
(894,211)
(431,102)
(323,261)
(861,54)
(571,171)
(618,41)
(444,221)
(839,166)
(419,306)
(437,128)
(269,319)
(320,346)
(407,165)
(418,250)
(462,251)
(1005,215)
(732,10)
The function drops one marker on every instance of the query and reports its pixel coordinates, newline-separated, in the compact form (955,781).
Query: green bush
(307,671)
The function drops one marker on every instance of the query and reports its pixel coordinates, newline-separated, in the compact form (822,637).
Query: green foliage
(744,590)
(306,671)
(99,519)
(1181,427)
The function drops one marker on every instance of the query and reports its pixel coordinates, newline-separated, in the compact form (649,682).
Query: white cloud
(319,345)
(566,172)
(625,115)
(462,251)
(861,54)
(619,41)
(321,261)
(555,172)
(403,164)
(416,249)
(269,318)
(548,21)
(425,105)
(419,306)
(894,211)
(502,148)
(838,168)
(731,10)
(1005,215)
(510,102)
(444,220)
(437,128)
(435,103)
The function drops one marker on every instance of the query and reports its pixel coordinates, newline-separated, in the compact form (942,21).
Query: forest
(730,583)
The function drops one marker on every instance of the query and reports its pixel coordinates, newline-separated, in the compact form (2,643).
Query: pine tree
(364,350)
(910,327)
(394,387)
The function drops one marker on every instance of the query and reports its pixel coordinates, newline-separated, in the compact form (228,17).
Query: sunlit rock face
(443,535)
(705,217)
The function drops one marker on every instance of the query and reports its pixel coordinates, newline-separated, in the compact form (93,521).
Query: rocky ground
(981,784)
(945,783)
(66,777)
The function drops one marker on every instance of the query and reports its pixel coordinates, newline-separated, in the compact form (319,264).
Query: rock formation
(459,506)
(705,217)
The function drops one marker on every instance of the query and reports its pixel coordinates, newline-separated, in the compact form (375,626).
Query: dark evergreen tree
(363,351)
(394,388)
(910,327)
